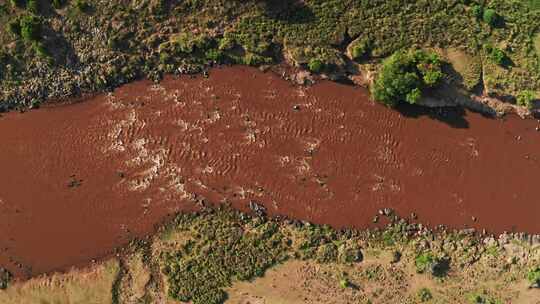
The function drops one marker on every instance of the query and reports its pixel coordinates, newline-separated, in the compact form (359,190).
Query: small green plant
(315,65)
(534,276)
(344,283)
(424,261)
(526,99)
(491,17)
(30,28)
(424,295)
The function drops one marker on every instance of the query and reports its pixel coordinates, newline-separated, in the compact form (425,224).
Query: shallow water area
(78,181)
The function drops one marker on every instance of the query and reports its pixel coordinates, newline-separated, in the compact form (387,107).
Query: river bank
(92,176)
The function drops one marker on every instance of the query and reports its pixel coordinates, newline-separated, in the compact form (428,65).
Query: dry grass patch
(86,286)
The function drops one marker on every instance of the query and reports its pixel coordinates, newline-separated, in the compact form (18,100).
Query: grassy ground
(222,256)
(90,45)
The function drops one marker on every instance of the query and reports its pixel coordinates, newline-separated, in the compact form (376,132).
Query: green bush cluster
(405,75)
(496,55)
(491,17)
(222,250)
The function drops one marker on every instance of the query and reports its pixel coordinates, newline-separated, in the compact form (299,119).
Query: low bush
(405,75)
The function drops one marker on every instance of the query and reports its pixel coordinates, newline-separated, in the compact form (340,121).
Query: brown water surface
(77,181)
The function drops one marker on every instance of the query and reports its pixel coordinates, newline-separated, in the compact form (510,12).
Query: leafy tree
(405,75)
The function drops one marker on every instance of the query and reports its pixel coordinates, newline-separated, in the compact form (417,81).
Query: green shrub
(405,75)
(424,295)
(315,65)
(491,17)
(534,276)
(30,28)
(525,99)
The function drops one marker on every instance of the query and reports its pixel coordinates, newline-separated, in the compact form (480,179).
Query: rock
(414,216)
(396,257)
(296,107)
(388,211)
(5,278)
(303,78)
(375,219)
(257,208)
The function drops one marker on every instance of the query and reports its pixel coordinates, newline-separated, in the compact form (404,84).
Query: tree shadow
(452,116)
(290,11)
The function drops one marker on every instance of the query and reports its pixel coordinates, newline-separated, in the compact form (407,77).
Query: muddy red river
(78,181)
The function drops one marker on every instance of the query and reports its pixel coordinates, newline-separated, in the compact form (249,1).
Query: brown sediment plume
(78,181)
